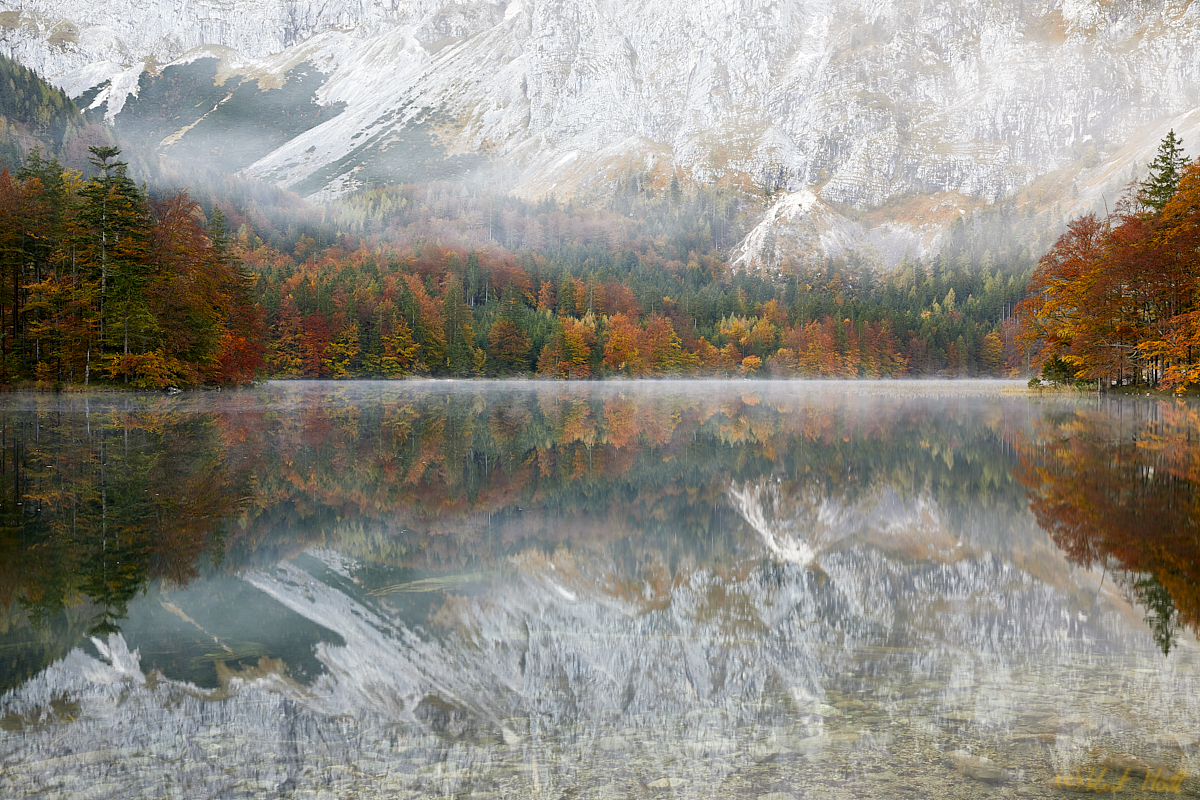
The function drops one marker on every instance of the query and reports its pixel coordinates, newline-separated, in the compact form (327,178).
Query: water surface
(656,589)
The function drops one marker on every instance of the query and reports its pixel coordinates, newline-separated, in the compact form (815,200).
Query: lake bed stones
(978,768)
(1122,763)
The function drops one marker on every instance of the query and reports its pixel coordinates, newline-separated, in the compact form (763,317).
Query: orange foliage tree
(1118,299)
(622,352)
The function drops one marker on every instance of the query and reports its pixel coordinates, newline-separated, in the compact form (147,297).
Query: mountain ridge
(860,104)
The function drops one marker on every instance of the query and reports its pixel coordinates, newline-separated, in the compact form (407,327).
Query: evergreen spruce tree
(116,213)
(1165,171)
(50,174)
(474,278)
(218,232)
(460,336)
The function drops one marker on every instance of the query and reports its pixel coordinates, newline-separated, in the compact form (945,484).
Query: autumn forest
(1118,299)
(109,282)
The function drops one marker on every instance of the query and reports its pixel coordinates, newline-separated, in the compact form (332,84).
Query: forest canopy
(1117,299)
(105,283)
(449,279)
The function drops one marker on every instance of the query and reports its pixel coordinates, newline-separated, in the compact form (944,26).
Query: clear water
(611,590)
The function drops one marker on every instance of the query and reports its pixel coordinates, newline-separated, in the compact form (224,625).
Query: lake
(720,589)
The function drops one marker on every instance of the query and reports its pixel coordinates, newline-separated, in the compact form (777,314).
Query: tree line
(437,311)
(1116,300)
(107,283)
(605,297)
(102,282)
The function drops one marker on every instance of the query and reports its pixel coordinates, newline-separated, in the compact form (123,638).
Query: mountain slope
(862,103)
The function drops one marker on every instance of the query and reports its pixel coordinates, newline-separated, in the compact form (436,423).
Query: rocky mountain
(862,121)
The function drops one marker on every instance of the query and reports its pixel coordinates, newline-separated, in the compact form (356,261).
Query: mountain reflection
(614,589)
(102,498)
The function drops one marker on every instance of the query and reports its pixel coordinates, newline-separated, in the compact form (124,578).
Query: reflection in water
(1120,486)
(96,505)
(607,590)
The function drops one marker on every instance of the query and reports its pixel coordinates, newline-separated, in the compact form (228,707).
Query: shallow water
(656,589)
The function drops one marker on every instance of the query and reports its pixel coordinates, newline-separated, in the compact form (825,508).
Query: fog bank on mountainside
(949,105)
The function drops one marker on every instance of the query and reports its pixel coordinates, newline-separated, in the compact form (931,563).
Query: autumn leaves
(388,314)
(1118,299)
(103,283)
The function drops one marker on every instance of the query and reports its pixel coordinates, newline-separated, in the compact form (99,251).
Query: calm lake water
(599,590)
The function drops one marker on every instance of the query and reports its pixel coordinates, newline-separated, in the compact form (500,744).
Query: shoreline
(1005,386)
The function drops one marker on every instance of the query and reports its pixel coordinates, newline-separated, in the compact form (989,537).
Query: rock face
(855,101)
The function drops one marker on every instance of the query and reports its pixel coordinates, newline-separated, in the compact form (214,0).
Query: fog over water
(609,589)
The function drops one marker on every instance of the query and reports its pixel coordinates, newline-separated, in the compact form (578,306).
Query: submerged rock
(979,768)
(667,783)
(1121,762)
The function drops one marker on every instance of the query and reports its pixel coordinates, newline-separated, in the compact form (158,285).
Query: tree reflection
(432,478)
(1118,486)
(97,504)
(101,499)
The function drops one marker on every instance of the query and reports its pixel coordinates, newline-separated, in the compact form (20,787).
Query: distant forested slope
(442,279)
(34,114)
(453,278)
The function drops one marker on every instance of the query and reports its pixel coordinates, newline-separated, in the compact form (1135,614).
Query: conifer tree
(1165,171)
(117,216)
(460,336)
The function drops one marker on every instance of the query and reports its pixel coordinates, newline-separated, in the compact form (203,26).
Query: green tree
(117,220)
(460,335)
(1165,171)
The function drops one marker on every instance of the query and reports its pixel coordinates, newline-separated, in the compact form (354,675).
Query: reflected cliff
(599,590)
(98,500)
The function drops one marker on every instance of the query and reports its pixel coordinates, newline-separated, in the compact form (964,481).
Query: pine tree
(1165,171)
(460,336)
(50,174)
(116,213)
(218,232)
